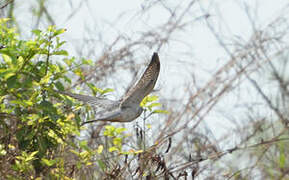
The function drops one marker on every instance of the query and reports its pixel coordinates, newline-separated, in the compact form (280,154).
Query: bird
(128,107)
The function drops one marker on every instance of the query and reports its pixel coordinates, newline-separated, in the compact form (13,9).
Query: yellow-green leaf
(101,164)
(46,78)
(139,151)
(87,61)
(60,52)
(107,90)
(154,105)
(49,162)
(111,149)
(59,31)
(117,141)
(7,59)
(120,130)
(100,149)
(160,111)
(4,20)
(148,99)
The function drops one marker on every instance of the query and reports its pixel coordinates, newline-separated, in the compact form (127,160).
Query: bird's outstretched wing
(146,83)
(91,100)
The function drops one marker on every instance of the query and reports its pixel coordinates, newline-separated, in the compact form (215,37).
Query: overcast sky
(228,16)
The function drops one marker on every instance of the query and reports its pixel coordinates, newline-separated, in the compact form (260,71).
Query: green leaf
(48,162)
(92,88)
(96,90)
(160,111)
(109,127)
(282,156)
(58,43)
(31,44)
(152,98)
(60,52)
(138,151)
(51,28)
(7,52)
(83,145)
(148,99)
(12,82)
(107,90)
(282,160)
(74,152)
(154,105)
(7,59)
(117,141)
(2,150)
(67,79)
(111,149)
(31,156)
(20,62)
(149,126)
(84,154)
(46,78)
(4,20)
(53,135)
(36,32)
(78,165)
(78,72)
(28,103)
(120,130)
(28,82)
(48,107)
(101,164)
(69,61)
(6,73)
(100,149)
(59,86)
(59,31)
(110,131)
(87,61)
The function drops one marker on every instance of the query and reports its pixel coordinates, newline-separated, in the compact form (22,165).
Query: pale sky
(228,16)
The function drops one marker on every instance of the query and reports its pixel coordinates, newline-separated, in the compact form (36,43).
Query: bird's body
(127,108)
(120,114)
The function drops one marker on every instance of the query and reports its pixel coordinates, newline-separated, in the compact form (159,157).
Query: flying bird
(128,107)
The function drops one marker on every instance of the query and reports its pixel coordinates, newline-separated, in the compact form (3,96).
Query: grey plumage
(127,108)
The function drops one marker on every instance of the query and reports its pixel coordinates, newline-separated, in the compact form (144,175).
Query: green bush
(34,128)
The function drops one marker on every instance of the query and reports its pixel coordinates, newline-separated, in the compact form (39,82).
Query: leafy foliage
(149,102)
(34,129)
